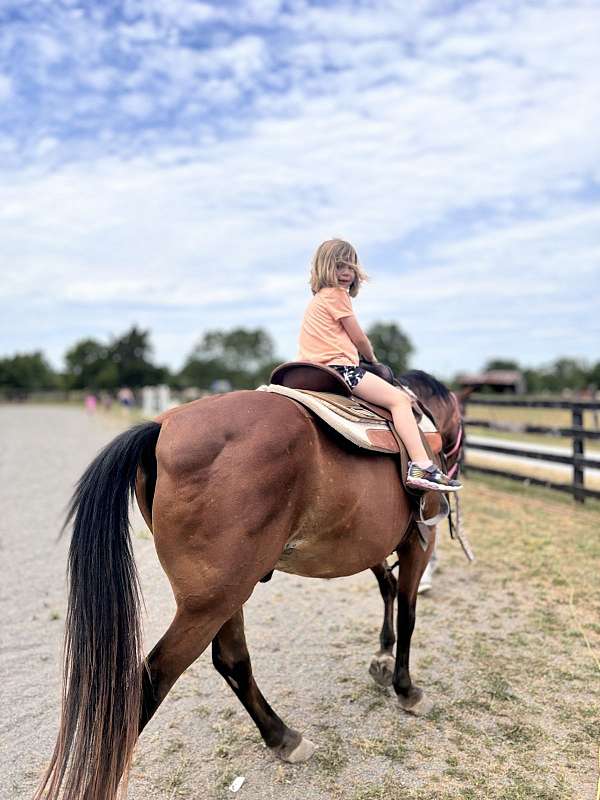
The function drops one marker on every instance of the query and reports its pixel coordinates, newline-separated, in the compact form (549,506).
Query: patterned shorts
(351,375)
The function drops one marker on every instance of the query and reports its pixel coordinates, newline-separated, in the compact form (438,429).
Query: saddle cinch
(323,392)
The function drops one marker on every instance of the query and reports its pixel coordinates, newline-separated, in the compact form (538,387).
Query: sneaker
(425,583)
(430,477)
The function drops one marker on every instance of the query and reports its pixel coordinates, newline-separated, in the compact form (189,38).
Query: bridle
(385,372)
(456,447)
(455,452)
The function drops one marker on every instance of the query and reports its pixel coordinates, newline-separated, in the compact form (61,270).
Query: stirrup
(424,525)
(437,518)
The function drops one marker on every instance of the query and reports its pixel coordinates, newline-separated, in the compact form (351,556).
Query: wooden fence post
(578,444)
(462,467)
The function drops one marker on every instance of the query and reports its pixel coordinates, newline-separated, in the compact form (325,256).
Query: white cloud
(136,104)
(181,12)
(6,88)
(100,78)
(457,153)
(46,145)
(48,47)
(142,31)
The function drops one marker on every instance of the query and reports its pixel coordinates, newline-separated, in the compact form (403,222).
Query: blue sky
(174,164)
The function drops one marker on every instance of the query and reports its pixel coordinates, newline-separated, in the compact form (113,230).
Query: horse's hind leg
(185,640)
(412,563)
(383,662)
(232,660)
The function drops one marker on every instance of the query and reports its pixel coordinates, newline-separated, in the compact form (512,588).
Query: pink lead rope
(457,443)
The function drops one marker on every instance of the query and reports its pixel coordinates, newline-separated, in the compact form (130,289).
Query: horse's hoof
(295,748)
(382,669)
(415,703)
(302,752)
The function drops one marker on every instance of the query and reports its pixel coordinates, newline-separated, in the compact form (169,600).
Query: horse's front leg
(413,561)
(383,663)
(232,660)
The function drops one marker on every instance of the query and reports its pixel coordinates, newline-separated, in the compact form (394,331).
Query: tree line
(242,357)
(563,373)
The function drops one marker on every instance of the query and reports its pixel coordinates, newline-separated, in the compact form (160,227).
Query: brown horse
(446,408)
(233,487)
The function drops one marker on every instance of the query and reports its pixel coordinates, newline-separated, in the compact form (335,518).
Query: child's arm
(358,338)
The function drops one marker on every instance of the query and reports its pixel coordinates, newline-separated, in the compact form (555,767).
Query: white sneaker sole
(421,483)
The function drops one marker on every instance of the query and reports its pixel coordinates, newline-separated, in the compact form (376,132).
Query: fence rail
(583,405)
(577,433)
(511,427)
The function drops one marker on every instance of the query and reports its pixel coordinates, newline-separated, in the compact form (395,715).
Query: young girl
(331,335)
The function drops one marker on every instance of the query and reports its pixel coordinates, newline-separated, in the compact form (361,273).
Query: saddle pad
(364,428)
(354,408)
(347,416)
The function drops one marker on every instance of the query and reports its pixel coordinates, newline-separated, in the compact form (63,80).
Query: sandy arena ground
(311,643)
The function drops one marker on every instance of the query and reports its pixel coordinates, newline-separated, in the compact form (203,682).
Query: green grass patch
(331,756)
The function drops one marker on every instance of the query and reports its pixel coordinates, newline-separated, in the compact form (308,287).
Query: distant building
(496,380)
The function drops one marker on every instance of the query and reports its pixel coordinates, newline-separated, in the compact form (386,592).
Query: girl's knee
(402,401)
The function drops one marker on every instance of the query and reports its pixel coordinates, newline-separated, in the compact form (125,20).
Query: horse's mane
(424,385)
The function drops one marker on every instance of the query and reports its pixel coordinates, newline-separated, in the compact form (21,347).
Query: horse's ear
(462,395)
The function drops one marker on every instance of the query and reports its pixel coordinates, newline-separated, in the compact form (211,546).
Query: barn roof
(502,377)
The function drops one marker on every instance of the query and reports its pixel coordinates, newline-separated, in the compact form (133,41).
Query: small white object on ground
(237,784)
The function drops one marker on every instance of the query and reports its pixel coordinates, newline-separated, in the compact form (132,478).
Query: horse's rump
(250,462)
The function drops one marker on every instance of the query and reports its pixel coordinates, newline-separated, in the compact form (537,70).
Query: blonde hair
(323,271)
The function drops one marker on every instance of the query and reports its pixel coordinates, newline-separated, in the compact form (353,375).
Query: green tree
(391,345)
(564,373)
(243,357)
(594,375)
(237,350)
(568,373)
(131,354)
(202,373)
(86,361)
(501,363)
(125,361)
(26,372)
(534,380)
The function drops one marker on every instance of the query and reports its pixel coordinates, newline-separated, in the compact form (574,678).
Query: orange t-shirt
(322,336)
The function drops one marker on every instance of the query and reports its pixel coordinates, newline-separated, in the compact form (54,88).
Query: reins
(459,437)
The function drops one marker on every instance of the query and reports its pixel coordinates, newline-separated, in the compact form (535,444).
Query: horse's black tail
(103,639)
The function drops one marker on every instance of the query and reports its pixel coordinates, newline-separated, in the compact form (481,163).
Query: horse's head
(446,409)
(454,441)
(462,396)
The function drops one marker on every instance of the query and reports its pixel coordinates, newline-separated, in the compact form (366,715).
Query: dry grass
(549,472)
(517,673)
(534,416)
(556,417)
(552,417)
(592,447)
(507,648)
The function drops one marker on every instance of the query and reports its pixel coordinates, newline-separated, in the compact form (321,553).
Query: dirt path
(500,646)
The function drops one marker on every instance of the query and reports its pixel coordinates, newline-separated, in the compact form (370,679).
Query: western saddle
(322,391)
(327,395)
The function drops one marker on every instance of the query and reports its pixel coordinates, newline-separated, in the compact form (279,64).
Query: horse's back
(263,425)
(257,469)
(226,466)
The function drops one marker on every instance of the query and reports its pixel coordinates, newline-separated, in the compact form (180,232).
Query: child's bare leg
(375,390)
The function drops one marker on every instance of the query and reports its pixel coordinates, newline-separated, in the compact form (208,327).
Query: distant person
(126,398)
(106,401)
(90,403)
(425,583)
(331,335)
